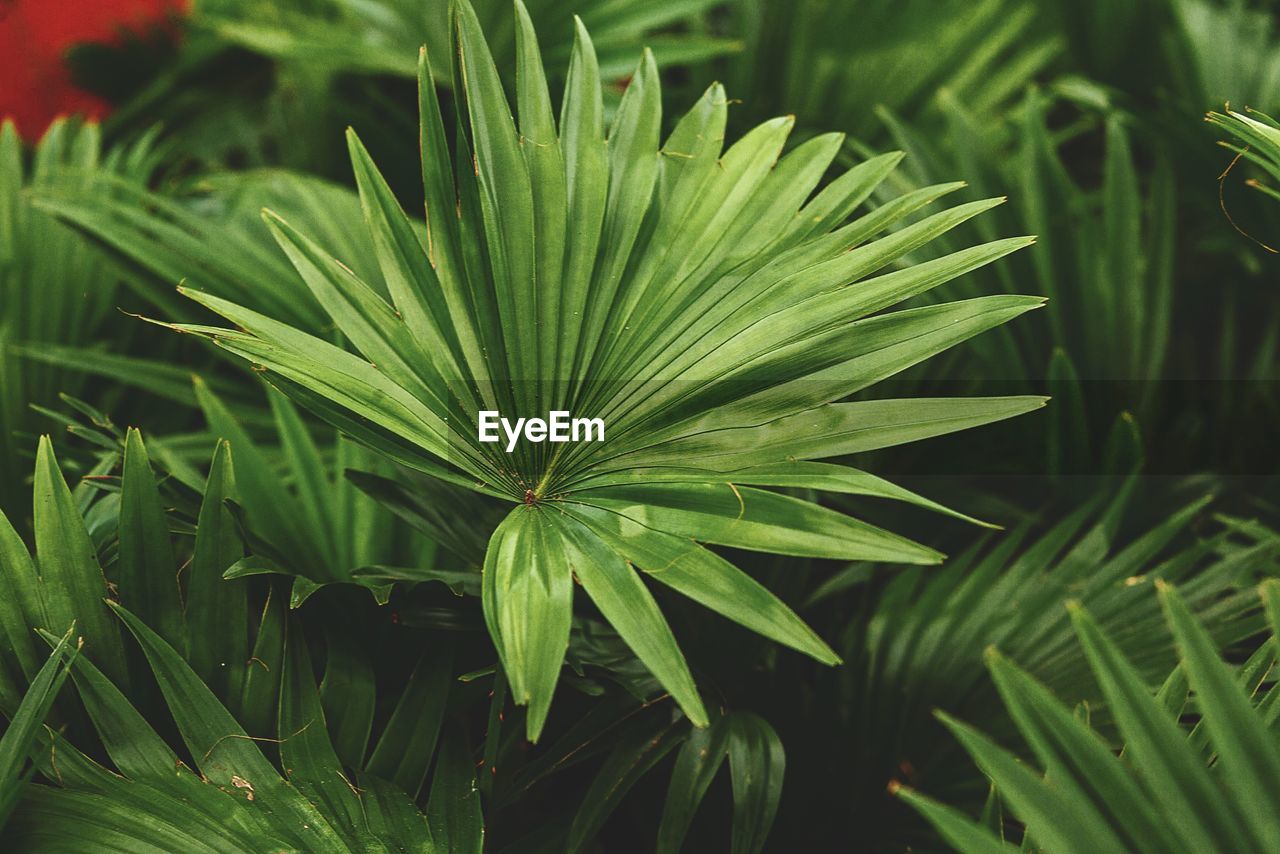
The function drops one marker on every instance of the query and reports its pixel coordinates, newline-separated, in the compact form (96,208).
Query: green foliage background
(261,588)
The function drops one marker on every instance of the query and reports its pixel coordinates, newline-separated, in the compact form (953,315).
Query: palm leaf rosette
(712,308)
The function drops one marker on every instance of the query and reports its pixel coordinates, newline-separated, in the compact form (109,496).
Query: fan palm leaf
(699,302)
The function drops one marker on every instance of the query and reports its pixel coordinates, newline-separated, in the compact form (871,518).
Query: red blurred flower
(35,35)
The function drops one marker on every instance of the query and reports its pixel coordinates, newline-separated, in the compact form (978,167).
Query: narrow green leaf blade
(528,599)
(72,582)
(217,609)
(147,569)
(629,607)
(756,765)
(704,577)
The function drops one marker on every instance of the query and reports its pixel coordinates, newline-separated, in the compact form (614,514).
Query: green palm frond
(68,577)
(232,670)
(303,516)
(55,289)
(833,63)
(230,797)
(629,727)
(384,35)
(225,675)
(264,84)
(25,719)
(698,302)
(301,503)
(743,741)
(1169,790)
(1121,235)
(1105,257)
(209,235)
(1180,54)
(916,638)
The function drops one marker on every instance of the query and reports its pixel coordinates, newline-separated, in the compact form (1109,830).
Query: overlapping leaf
(1158,794)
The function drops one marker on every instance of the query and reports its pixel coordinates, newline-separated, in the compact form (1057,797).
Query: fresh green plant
(1079,115)
(1167,790)
(699,303)
(55,289)
(1193,52)
(752,306)
(1105,250)
(383,36)
(913,639)
(263,84)
(240,800)
(1227,50)
(208,234)
(324,530)
(833,63)
(299,512)
(755,759)
(1257,140)
(25,720)
(220,674)
(1115,237)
